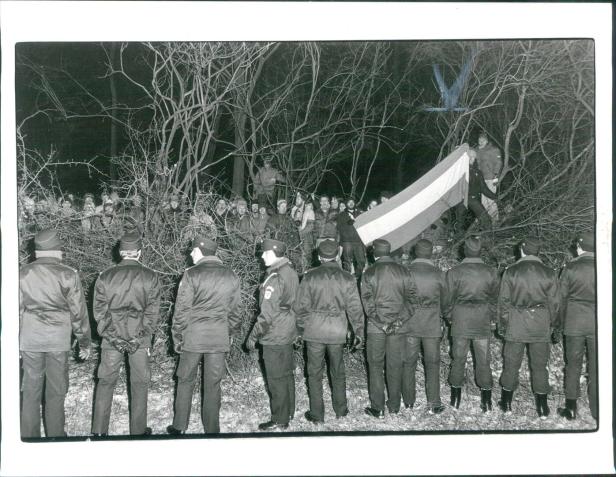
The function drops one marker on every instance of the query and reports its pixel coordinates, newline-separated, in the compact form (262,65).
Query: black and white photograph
(263,240)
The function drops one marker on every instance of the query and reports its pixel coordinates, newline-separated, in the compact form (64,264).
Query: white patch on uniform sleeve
(268,292)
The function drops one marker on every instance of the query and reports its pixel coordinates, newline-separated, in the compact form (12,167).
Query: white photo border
(547,453)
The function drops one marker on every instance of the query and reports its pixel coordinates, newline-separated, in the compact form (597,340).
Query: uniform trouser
(514,353)
(279,367)
(49,370)
(460,349)
(432,360)
(575,347)
(213,372)
(388,350)
(139,377)
(316,366)
(353,251)
(489,204)
(477,208)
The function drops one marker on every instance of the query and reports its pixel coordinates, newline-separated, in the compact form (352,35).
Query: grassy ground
(245,403)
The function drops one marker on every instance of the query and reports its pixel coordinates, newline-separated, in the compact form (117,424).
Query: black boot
(570,410)
(542,405)
(486,400)
(505,401)
(456,396)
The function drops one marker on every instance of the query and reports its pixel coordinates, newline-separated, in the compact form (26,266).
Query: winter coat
(477,185)
(388,294)
(207,308)
(276,322)
(127,303)
(325,225)
(528,301)
(51,306)
(430,297)
(265,180)
(578,296)
(470,300)
(345,226)
(489,161)
(326,297)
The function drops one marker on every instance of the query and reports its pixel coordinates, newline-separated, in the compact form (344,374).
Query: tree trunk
(238,161)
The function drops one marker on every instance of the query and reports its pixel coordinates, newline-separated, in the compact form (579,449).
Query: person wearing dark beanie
(388,294)
(470,307)
(327,302)
(425,328)
(528,317)
(127,317)
(206,320)
(578,302)
(51,306)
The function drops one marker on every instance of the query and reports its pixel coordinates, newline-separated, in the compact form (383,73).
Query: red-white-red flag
(407,214)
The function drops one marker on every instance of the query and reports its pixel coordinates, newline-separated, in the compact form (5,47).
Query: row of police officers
(398,313)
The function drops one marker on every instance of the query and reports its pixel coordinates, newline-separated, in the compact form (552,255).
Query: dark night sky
(87,138)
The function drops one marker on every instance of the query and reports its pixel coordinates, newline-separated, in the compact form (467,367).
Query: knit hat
(531,245)
(47,240)
(206,245)
(130,241)
(328,249)
(423,249)
(242,201)
(472,247)
(280,201)
(586,240)
(274,245)
(381,248)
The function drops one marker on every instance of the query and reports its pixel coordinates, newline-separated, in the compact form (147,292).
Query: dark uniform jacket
(346,229)
(578,296)
(276,323)
(127,303)
(325,225)
(477,185)
(430,283)
(326,297)
(470,301)
(528,301)
(207,308)
(388,294)
(51,305)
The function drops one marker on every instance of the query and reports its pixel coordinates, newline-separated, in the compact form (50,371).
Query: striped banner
(407,214)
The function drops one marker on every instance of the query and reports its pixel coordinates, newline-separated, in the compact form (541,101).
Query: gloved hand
(119,344)
(557,335)
(392,327)
(358,344)
(501,330)
(84,353)
(298,342)
(177,347)
(251,341)
(132,345)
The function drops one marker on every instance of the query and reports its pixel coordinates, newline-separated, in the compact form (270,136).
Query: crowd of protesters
(303,224)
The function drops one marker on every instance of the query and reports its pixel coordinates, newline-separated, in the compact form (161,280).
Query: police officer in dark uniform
(527,313)
(127,311)
(276,330)
(578,295)
(470,307)
(328,296)
(425,328)
(51,306)
(387,293)
(205,321)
